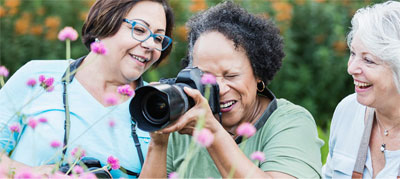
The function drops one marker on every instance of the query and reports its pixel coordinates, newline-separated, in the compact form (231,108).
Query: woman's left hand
(187,122)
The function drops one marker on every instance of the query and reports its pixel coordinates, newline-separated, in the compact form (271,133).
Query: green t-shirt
(289,140)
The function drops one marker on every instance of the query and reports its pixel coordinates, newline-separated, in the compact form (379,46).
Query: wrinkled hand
(187,122)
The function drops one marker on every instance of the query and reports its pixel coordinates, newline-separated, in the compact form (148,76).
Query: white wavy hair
(378,27)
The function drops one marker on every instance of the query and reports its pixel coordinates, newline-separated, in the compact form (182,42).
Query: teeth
(361,84)
(228,104)
(139,59)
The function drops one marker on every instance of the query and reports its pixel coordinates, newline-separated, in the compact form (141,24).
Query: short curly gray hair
(378,27)
(257,36)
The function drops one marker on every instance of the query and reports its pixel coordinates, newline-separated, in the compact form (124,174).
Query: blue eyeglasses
(141,33)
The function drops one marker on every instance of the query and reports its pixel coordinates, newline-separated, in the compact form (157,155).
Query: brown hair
(105,19)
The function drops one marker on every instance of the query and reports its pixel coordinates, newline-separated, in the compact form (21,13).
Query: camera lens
(155,108)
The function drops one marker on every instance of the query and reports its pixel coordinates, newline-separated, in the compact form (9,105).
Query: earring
(96,40)
(260,86)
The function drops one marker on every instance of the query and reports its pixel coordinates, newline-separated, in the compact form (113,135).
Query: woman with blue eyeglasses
(80,114)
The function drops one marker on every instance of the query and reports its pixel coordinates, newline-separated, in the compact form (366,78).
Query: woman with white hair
(365,131)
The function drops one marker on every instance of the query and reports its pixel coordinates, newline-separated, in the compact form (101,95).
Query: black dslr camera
(156,106)
(92,164)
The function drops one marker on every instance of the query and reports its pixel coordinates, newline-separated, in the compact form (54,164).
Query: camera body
(157,105)
(92,164)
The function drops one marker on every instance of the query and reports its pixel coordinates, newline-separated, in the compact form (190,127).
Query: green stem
(68,49)
(72,166)
(84,132)
(22,107)
(1,82)
(193,148)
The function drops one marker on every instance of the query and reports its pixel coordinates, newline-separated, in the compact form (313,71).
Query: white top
(347,128)
(100,141)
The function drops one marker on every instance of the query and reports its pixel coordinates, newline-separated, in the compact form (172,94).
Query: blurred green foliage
(313,74)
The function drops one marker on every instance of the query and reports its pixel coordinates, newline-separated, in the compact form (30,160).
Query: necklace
(383,145)
(386,131)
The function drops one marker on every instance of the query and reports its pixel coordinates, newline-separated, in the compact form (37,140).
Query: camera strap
(272,106)
(72,69)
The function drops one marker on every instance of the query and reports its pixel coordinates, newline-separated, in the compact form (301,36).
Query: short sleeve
(293,146)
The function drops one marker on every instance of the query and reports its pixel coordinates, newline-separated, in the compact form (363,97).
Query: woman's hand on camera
(187,122)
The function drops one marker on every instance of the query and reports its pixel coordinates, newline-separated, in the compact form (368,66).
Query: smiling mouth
(140,59)
(227,104)
(362,85)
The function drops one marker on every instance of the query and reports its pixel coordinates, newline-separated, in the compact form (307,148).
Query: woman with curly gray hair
(371,116)
(243,52)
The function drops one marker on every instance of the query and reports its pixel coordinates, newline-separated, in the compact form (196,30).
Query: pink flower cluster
(258,155)
(3,71)
(55,144)
(42,120)
(111,99)
(68,33)
(23,174)
(78,152)
(111,123)
(31,82)
(246,129)
(113,162)
(15,128)
(208,78)
(173,175)
(47,84)
(204,137)
(78,169)
(125,90)
(32,123)
(98,47)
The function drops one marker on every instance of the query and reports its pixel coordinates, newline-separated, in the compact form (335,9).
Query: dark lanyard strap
(72,67)
(272,106)
(137,143)
(363,149)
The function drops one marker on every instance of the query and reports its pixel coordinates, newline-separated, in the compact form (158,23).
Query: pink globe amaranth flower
(125,90)
(25,174)
(246,129)
(78,169)
(46,83)
(31,82)
(55,144)
(204,137)
(49,81)
(68,33)
(208,79)
(78,152)
(98,47)
(32,123)
(111,123)
(113,162)
(3,71)
(42,78)
(258,155)
(15,128)
(42,120)
(173,175)
(111,99)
